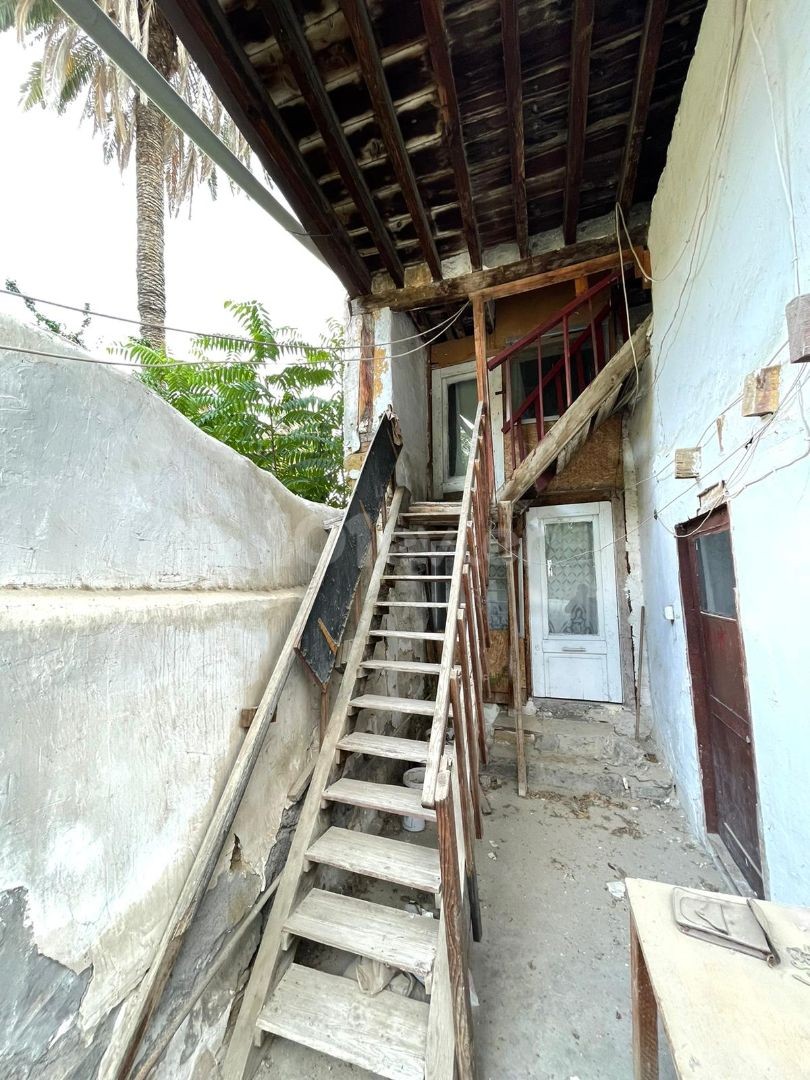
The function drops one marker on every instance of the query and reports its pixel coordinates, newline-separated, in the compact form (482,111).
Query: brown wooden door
(719,690)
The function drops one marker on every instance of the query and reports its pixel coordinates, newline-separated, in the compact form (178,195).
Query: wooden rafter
(436,30)
(286,26)
(581,35)
(651,38)
(562,264)
(513,80)
(358,21)
(205,32)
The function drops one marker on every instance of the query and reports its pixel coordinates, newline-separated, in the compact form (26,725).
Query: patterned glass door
(573,604)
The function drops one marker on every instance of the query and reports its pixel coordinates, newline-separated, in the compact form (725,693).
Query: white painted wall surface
(400,380)
(151,575)
(723,259)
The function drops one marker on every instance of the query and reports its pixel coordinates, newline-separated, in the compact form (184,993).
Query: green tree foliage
(264,394)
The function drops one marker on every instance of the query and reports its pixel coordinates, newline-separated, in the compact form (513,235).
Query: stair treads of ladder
(408,635)
(386,798)
(411,604)
(408,667)
(387,934)
(384,703)
(417,577)
(415,533)
(385,746)
(409,865)
(421,554)
(385,1034)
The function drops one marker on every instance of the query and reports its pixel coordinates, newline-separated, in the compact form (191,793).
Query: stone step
(590,740)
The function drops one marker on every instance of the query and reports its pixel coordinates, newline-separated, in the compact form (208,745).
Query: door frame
(441,378)
(606,569)
(717,520)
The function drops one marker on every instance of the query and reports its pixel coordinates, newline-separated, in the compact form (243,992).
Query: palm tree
(167,165)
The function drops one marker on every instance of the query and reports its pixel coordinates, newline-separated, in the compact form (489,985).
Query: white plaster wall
(400,380)
(723,259)
(150,576)
(103,485)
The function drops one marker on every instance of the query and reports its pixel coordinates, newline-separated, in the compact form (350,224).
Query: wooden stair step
(417,577)
(408,635)
(421,554)
(411,603)
(385,798)
(409,865)
(385,746)
(387,934)
(413,534)
(410,667)
(387,703)
(385,1034)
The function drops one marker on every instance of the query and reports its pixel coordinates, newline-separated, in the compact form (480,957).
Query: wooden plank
(408,635)
(536,272)
(417,577)
(456,931)
(440,1050)
(644,1012)
(127,1036)
(505,523)
(413,534)
(513,79)
(452,134)
(411,603)
(206,33)
(581,35)
(387,703)
(241,1055)
(358,21)
(289,34)
(385,798)
(546,452)
(480,337)
(410,865)
(357,926)
(385,1034)
(409,667)
(421,555)
(652,36)
(385,746)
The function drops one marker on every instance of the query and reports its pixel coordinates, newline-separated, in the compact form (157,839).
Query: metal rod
(117,46)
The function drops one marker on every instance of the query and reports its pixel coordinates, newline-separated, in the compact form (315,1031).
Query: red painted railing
(568,375)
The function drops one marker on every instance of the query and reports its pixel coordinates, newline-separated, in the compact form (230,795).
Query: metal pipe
(103,31)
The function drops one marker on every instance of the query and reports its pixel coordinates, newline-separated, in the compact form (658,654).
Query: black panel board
(334,598)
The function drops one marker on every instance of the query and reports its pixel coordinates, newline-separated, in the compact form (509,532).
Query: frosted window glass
(571,578)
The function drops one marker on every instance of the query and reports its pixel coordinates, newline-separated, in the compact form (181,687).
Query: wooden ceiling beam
(513,81)
(436,30)
(563,264)
(358,21)
(289,34)
(205,32)
(581,35)
(652,36)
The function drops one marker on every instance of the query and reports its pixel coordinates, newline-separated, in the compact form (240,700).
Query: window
(716,574)
(462,403)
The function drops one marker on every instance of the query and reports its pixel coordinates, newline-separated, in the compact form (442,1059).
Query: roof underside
(393,127)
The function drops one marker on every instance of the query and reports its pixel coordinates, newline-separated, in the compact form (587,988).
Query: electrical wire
(227,362)
(444,324)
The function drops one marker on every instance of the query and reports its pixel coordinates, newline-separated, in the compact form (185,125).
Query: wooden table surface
(727,1016)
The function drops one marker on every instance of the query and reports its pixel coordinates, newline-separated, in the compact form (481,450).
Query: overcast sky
(69,233)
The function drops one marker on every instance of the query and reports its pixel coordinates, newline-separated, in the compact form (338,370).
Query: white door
(572,602)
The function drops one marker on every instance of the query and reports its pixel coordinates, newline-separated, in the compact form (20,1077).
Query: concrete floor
(552,972)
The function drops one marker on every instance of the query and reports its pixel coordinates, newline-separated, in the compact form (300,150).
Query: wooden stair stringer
(243,1055)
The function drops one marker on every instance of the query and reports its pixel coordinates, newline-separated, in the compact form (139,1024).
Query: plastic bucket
(413,778)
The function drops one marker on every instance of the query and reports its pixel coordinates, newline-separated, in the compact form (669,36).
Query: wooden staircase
(293,997)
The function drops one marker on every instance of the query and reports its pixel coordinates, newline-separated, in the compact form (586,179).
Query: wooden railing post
(465,779)
(505,528)
(455,928)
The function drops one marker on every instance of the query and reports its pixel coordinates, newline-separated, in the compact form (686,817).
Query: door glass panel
(716,574)
(462,402)
(571,576)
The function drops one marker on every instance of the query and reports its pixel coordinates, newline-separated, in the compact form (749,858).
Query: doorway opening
(719,690)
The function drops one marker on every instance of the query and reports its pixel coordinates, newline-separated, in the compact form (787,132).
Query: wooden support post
(463,757)
(505,527)
(480,333)
(645,1013)
(468,673)
(456,934)
(640,669)
(471,720)
(324,719)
